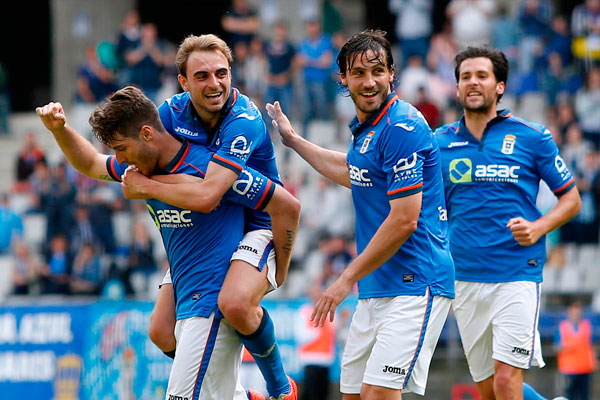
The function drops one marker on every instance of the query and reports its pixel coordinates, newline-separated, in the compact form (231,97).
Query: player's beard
(483,108)
(371,107)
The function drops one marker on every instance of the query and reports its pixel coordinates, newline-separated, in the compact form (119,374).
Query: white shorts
(256,248)
(206,362)
(391,341)
(498,321)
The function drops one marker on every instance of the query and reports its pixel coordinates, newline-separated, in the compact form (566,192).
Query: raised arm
(329,163)
(80,153)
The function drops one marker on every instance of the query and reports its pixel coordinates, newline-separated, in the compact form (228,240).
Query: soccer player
(199,245)
(492,164)
(404,269)
(213,113)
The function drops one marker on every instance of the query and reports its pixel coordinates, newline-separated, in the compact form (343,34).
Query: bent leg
(486,389)
(239,301)
(162,320)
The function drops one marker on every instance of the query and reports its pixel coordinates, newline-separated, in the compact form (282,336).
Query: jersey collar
(463,131)
(376,116)
(178,159)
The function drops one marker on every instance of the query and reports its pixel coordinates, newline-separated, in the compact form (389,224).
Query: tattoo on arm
(105,178)
(291,235)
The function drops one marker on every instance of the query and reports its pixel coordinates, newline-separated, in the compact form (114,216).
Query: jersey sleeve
(251,189)
(551,167)
(403,156)
(239,138)
(115,170)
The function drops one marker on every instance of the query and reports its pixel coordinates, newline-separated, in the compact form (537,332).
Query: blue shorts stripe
(208,349)
(265,256)
(421,337)
(535,322)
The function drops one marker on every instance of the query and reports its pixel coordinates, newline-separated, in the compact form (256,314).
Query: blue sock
(529,393)
(263,347)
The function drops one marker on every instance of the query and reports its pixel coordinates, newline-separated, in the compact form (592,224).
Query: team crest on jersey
(365,145)
(508,144)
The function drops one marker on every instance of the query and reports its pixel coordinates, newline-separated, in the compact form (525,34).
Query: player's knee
(234,308)
(505,383)
(161,334)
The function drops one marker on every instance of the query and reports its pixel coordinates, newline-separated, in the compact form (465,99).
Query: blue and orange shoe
(292,395)
(254,395)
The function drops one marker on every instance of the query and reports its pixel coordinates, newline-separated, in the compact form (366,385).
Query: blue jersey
(199,245)
(393,154)
(490,181)
(240,138)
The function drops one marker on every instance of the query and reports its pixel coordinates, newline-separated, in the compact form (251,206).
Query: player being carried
(199,245)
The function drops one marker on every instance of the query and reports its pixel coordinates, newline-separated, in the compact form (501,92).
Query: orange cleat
(254,395)
(292,395)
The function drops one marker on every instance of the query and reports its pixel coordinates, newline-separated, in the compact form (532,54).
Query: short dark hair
(123,113)
(498,59)
(362,42)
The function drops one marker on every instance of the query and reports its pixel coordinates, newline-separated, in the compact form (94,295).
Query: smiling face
(477,88)
(208,79)
(368,81)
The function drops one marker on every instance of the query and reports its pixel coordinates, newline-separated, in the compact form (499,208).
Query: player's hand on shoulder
(281,122)
(52,115)
(525,232)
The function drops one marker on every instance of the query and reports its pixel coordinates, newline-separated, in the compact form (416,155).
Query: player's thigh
(387,337)
(252,270)
(162,319)
(206,363)
(473,310)
(516,339)
(358,347)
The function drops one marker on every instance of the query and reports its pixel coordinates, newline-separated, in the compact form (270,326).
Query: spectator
(255,70)
(129,38)
(280,55)
(86,275)
(240,22)
(505,33)
(94,82)
(315,55)
(534,19)
(413,27)
(26,270)
(576,356)
(471,21)
(238,67)
(11,225)
(82,231)
(344,106)
(56,273)
(440,61)
(142,264)
(587,106)
(557,79)
(29,154)
(57,202)
(103,199)
(565,115)
(560,40)
(585,24)
(146,62)
(413,77)
(427,107)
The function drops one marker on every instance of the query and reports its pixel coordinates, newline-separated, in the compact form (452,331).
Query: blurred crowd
(64,233)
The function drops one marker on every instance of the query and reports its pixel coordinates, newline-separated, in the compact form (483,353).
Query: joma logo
(394,370)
